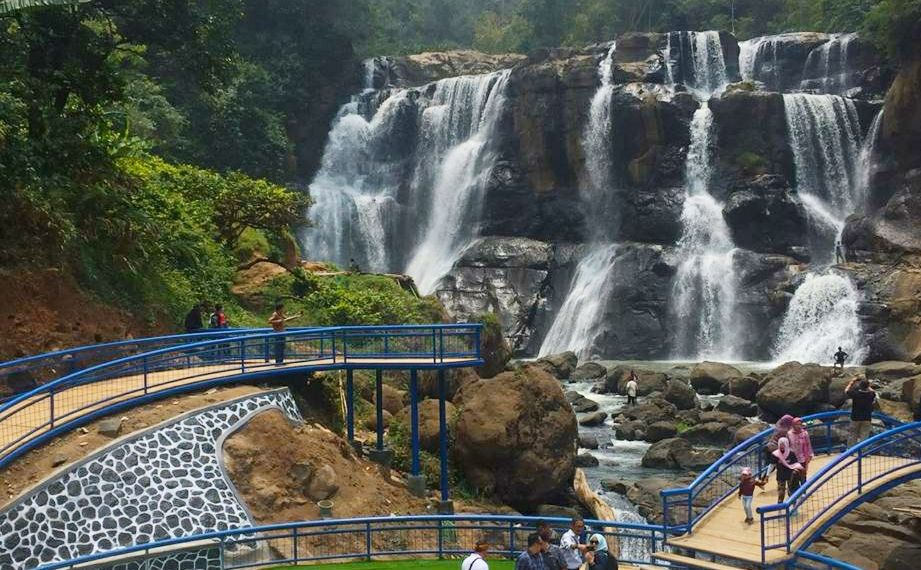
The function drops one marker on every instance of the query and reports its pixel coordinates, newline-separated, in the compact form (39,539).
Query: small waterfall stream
(826,68)
(598,192)
(704,295)
(696,60)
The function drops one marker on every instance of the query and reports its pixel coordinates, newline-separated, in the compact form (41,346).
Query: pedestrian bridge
(82,384)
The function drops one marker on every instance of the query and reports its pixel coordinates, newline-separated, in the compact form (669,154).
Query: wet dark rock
(586,460)
(593,419)
(680,394)
(737,405)
(589,371)
(709,377)
(587,441)
(559,365)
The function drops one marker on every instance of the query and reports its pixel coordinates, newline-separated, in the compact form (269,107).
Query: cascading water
(696,60)
(824,135)
(868,153)
(704,294)
(821,317)
(406,182)
(826,68)
(580,319)
(462,115)
(598,191)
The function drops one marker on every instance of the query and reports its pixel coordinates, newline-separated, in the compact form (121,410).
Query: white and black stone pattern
(167,482)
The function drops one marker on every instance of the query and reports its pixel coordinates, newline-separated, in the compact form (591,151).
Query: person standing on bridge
(477,561)
(788,469)
(862,399)
(279,322)
(801,444)
(571,544)
(532,558)
(747,484)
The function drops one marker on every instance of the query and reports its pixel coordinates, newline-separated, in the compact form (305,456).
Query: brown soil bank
(281,470)
(46,310)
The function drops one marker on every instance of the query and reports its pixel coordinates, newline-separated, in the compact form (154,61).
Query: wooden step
(691,562)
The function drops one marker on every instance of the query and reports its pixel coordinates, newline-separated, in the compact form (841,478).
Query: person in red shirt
(747,484)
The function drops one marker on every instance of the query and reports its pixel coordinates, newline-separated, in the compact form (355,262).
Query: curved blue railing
(683,508)
(877,460)
(33,417)
(811,561)
(42,368)
(366,538)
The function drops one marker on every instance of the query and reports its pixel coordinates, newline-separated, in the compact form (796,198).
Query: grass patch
(401,564)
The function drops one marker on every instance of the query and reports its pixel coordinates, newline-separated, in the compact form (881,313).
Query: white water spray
(821,317)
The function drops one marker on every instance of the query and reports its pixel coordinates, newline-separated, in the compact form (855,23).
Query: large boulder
(589,371)
(651,410)
(430,422)
(746,387)
(647,381)
(421,68)
(709,377)
(795,388)
(559,365)
(516,437)
(393,399)
(676,453)
(661,430)
(680,394)
(736,405)
(765,216)
(593,419)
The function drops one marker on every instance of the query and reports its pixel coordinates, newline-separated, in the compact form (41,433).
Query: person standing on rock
(801,444)
(532,558)
(571,544)
(476,560)
(553,554)
(840,357)
(839,253)
(862,399)
(631,388)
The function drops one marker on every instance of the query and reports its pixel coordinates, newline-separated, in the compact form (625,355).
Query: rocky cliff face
(538,214)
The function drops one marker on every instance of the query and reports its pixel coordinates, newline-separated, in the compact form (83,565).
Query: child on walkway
(747,485)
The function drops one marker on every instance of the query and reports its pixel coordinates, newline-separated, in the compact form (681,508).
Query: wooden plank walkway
(31,417)
(723,531)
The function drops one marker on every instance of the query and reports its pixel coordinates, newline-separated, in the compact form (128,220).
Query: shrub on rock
(516,437)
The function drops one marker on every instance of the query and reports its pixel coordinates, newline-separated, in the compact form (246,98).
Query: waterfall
(598,192)
(704,292)
(826,68)
(580,319)
(403,173)
(821,317)
(463,115)
(824,135)
(696,60)
(867,159)
(758,61)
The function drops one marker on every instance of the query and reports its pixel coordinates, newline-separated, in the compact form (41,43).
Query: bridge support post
(350,404)
(446,506)
(415,482)
(379,399)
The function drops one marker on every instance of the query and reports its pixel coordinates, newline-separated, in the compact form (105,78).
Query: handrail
(749,453)
(826,562)
(859,466)
(459,531)
(32,417)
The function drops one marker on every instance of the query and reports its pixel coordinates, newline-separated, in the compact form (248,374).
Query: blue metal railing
(33,417)
(366,538)
(42,368)
(881,459)
(683,508)
(810,561)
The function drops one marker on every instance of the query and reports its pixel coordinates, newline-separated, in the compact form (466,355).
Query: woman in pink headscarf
(781,429)
(801,444)
(788,469)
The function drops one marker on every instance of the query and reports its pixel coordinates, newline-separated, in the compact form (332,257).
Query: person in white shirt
(570,544)
(631,388)
(476,560)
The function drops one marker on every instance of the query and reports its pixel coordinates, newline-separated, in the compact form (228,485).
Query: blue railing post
(665,519)
(51,406)
(828,436)
(443,434)
(345,346)
(321,348)
(440,539)
(350,404)
(368,545)
(386,344)
(511,539)
(859,470)
(242,356)
(265,345)
(294,550)
(441,344)
(690,514)
(787,521)
(145,374)
(476,341)
(379,402)
(434,348)
(414,418)
(334,345)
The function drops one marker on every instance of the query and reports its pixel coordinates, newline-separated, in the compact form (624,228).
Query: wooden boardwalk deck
(31,418)
(723,531)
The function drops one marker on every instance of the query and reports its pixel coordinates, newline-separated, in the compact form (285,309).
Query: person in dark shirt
(840,357)
(862,399)
(532,558)
(193,320)
(553,555)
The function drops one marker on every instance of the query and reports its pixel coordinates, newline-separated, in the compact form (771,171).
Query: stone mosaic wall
(204,559)
(164,483)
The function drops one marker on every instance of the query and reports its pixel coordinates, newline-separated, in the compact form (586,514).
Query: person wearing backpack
(218,319)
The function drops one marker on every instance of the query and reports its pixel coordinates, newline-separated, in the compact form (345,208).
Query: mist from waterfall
(581,318)
(821,317)
(824,135)
(704,291)
(463,115)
